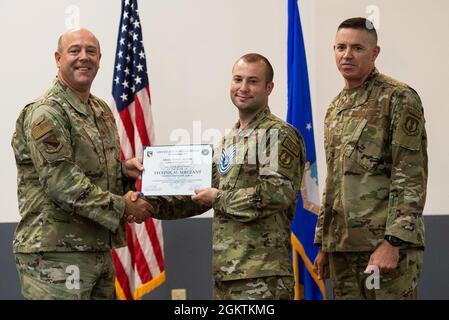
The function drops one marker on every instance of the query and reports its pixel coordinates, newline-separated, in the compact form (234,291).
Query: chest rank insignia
(226,160)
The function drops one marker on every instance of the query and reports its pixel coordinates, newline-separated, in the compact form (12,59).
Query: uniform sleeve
(129,184)
(318,238)
(409,168)
(278,183)
(64,182)
(175,207)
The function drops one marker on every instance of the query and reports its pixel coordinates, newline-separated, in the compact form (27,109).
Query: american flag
(140,265)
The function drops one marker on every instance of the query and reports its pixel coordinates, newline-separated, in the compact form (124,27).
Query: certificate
(176,170)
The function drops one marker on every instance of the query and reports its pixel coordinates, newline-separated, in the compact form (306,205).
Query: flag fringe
(143,289)
(118,289)
(299,288)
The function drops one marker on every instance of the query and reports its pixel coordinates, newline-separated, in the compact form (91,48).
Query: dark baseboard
(188,256)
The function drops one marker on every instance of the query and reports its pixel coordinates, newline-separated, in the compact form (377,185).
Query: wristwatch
(394,241)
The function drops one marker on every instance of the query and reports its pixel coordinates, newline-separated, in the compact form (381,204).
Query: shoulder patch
(291,146)
(39,130)
(39,119)
(52,144)
(286,158)
(411,125)
(410,129)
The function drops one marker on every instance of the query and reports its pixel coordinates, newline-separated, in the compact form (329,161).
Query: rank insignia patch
(226,160)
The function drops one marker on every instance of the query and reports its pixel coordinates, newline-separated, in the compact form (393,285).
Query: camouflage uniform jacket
(256,199)
(376,144)
(68,175)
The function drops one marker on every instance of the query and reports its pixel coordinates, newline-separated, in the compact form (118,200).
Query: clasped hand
(206,196)
(132,168)
(137,209)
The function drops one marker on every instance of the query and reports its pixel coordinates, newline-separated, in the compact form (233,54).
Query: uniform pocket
(365,146)
(354,138)
(88,155)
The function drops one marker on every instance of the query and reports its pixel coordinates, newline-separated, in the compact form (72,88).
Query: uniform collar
(75,101)
(354,97)
(254,123)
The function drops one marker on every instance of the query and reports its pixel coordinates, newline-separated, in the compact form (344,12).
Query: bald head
(68,35)
(78,60)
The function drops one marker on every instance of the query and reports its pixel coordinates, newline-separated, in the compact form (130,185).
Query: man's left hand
(132,168)
(205,196)
(385,257)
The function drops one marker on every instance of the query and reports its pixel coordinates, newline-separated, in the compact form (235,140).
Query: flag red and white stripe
(140,265)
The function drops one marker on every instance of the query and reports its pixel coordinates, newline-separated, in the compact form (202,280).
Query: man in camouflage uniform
(256,179)
(371,221)
(71,183)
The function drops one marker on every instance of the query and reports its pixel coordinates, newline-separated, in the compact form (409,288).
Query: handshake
(137,209)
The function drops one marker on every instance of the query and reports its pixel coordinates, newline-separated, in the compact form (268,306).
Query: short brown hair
(359,24)
(255,57)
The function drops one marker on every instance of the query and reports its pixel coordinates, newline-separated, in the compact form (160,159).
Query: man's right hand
(321,265)
(137,209)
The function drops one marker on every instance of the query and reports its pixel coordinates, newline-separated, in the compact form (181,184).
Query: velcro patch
(411,125)
(291,146)
(286,159)
(52,143)
(409,130)
(40,130)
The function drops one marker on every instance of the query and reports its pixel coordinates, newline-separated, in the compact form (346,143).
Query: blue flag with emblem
(307,285)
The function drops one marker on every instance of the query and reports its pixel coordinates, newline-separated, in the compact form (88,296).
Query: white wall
(414,49)
(191,46)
